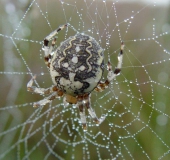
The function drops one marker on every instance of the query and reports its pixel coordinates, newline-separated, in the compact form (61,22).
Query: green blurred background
(137,103)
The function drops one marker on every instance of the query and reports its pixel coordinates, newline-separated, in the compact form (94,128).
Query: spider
(76,68)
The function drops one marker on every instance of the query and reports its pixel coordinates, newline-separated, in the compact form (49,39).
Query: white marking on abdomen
(77,48)
(65,65)
(82,68)
(74,59)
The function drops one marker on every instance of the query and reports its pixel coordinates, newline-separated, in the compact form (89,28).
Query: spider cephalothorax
(76,68)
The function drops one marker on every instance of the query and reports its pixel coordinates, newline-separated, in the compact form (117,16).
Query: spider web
(136,104)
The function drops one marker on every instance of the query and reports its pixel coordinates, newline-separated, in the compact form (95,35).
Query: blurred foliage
(22,57)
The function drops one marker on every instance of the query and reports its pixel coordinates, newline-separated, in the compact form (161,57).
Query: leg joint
(46,42)
(117,71)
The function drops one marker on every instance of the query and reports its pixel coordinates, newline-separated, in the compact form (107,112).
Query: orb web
(135,103)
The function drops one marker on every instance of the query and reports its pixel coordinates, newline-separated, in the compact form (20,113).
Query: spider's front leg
(48,50)
(84,101)
(53,90)
(111,74)
(82,112)
(46,100)
(87,104)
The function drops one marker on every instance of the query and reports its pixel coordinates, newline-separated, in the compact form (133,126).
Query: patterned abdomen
(77,65)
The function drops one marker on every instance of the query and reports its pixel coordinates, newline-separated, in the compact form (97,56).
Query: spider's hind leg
(111,74)
(48,50)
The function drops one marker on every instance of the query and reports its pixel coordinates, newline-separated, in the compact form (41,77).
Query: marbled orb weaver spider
(76,68)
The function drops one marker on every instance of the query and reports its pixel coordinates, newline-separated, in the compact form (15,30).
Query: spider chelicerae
(76,68)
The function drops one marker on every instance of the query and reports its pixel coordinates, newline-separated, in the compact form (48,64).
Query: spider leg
(82,112)
(87,104)
(48,50)
(46,100)
(42,91)
(52,34)
(111,74)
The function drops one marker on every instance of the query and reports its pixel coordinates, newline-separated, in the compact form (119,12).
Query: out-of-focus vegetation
(21,56)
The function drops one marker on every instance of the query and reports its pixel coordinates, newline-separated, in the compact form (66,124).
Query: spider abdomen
(77,65)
